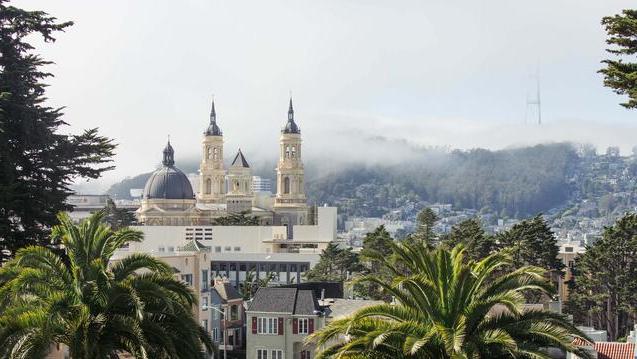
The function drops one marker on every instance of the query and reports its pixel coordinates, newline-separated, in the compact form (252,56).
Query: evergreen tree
(118,217)
(619,75)
(602,293)
(471,234)
(425,221)
(376,243)
(531,242)
(37,162)
(334,265)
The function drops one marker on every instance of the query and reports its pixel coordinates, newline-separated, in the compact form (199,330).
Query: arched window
(208,186)
(293,151)
(215,153)
(208,152)
(286,185)
(287,151)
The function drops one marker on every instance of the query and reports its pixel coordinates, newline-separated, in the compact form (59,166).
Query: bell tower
(212,184)
(290,199)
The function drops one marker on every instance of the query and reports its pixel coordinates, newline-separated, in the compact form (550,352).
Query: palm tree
(450,307)
(95,306)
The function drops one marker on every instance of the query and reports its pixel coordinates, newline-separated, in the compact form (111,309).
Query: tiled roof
(284,300)
(612,350)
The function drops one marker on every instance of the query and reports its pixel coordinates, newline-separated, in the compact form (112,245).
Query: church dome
(168,182)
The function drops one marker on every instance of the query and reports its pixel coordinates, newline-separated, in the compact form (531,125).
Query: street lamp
(225,349)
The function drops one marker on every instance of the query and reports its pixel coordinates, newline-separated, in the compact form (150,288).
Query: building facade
(279,320)
(168,198)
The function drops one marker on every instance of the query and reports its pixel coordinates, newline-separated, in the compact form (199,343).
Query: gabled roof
(284,300)
(240,160)
(227,292)
(194,246)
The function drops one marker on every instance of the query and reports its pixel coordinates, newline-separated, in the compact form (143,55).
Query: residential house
(279,320)
(227,316)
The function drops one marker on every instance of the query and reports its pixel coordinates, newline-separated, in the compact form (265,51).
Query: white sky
(452,73)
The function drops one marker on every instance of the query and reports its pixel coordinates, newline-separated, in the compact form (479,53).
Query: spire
(169,155)
(291,111)
(291,126)
(213,129)
(213,114)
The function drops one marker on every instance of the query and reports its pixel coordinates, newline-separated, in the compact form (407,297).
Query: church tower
(290,202)
(240,196)
(212,185)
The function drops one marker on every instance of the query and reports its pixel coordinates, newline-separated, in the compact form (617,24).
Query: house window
(227,249)
(218,249)
(303,326)
(187,278)
(276,354)
(215,334)
(234,312)
(237,249)
(204,303)
(267,325)
(162,249)
(305,354)
(204,279)
(171,249)
(262,354)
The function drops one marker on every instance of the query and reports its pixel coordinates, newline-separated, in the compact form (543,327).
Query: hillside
(512,182)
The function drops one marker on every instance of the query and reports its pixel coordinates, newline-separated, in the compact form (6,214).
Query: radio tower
(533,101)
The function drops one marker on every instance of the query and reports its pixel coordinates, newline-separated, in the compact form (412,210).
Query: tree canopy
(620,75)
(37,161)
(97,306)
(602,292)
(450,308)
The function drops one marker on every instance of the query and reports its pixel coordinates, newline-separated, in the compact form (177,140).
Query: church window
(293,151)
(287,151)
(208,152)
(208,186)
(286,185)
(215,154)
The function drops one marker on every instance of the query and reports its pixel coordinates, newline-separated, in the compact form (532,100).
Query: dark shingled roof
(284,300)
(227,292)
(240,160)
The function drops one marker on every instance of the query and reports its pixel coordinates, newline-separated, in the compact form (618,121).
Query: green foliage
(236,219)
(450,308)
(334,265)
(471,234)
(513,182)
(603,290)
(118,217)
(251,283)
(425,221)
(37,161)
(531,242)
(95,306)
(375,243)
(622,36)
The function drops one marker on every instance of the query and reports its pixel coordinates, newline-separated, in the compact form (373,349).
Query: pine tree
(619,75)
(334,265)
(118,218)
(37,161)
(602,293)
(471,234)
(425,221)
(376,243)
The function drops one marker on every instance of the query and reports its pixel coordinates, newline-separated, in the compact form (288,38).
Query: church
(169,200)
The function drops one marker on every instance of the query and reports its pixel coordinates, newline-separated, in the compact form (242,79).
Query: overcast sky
(439,73)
